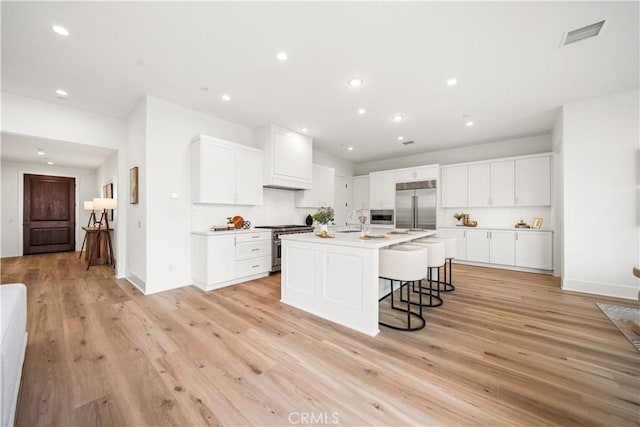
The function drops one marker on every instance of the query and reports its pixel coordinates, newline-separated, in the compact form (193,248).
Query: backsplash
(278,207)
(499,217)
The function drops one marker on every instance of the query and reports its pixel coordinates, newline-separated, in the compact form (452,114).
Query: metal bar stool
(404,264)
(435,260)
(450,253)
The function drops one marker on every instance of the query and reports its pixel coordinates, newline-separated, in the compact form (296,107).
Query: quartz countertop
(462,227)
(354,240)
(231,231)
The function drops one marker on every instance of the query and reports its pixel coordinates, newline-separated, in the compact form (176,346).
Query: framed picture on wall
(107,192)
(133,185)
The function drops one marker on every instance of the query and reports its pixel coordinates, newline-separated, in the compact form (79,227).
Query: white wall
(601,147)
(28,116)
(492,150)
(107,173)
(557,136)
(12,190)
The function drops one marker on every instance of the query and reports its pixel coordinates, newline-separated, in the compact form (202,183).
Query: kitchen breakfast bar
(337,278)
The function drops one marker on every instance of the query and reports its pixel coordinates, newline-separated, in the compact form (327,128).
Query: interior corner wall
(600,164)
(170,128)
(107,173)
(557,137)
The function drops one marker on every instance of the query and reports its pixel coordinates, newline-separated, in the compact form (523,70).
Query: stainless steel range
(276,244)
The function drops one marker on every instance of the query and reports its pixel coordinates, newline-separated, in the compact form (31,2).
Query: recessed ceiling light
(400,138)
(59,29)
(61,93)
(361,111)
(350,148)
(356,82)
(469,123)
(452,82)
(49,162)
(282,56)
(305,130)
(40,152)
(226,97)
(397,118)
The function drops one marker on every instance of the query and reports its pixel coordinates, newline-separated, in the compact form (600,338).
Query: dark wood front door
(49,214)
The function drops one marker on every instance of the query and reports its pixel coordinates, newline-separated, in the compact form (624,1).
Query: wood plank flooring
(506,348)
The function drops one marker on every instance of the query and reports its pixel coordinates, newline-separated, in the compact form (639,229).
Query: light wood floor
(506,348)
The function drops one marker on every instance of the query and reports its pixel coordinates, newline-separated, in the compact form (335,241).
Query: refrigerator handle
(414,211)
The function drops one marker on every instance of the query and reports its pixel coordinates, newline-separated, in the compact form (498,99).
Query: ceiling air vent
(583,33)
(408,143)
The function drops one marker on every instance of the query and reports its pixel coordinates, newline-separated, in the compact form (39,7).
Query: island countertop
(355,240)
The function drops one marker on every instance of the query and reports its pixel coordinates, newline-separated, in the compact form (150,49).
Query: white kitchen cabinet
(477,245)
(423,173)
(461,241)
(288,157)
(479,184)
(502,247)
(534,249)
(223,172)
(454,186)
(533,181)
(382,190)
(229,258)
(360,193)
(323,191)
(502,183)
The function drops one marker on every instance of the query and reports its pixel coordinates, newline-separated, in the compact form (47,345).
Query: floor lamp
(88,206)
(104,204)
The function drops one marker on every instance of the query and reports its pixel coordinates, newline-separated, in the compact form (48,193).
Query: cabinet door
(479,185)
(217,173)
(221,259)
(322,191)
(477,245)
(388,190)
(534,249)
(248,165)
(360,192)
(502,247)
(454,187)
(292,155)
(375,193)
(461,241)
(405,175)
(533,181)
(502,183)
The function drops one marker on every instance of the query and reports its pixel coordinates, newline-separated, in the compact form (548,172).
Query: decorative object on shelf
(471,224)
(246,225)
(459,217)
(230,224)
(133,185)
(465,218)
(308,220)
(107,193)
(537,223)
(324,216)
(238,221)
(522,224)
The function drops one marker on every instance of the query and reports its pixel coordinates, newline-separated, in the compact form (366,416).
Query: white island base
(336,278)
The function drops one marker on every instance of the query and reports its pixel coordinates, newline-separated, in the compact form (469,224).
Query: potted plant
(230,223)
(323,216)
(459,217)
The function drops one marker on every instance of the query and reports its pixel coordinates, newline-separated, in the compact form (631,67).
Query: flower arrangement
(324,215)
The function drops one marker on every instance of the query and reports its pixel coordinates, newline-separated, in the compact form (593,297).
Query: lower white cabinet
(528,249)
(533,249)
(227,259)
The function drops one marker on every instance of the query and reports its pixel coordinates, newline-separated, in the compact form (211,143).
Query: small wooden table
(98,246)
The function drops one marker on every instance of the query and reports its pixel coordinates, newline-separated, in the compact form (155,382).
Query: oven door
(382,216)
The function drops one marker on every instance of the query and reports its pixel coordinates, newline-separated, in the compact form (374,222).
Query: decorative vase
(324,227)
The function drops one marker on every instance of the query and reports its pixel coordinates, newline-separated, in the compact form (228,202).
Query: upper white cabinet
(423,173)
(479,184)
(454,186)
(502,183)
(382,190)
(533,181)
(534,249)
(224,172)
(288,157)
(323,191)
(360,193)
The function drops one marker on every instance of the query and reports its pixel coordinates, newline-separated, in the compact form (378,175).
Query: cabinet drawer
(253,237)
(255,249)
(253,266)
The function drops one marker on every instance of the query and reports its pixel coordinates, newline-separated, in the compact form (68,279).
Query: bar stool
(435,260)
(404,264)
(450,254)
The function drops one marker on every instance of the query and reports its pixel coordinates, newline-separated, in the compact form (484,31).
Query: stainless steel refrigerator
(416,204)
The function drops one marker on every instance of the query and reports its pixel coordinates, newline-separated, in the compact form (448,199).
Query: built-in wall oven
(276,244)
(382,217)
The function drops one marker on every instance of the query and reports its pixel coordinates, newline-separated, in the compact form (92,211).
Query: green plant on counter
(324,215)
(458,216)
(229,220)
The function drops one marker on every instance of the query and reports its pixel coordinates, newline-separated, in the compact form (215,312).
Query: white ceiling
(513,75)
(24,149)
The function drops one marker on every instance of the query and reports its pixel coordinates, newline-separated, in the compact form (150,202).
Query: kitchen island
(337,278)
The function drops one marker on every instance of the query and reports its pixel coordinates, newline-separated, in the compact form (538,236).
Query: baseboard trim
(597,288)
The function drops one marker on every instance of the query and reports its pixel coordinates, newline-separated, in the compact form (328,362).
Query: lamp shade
(100,203)
(88,205)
